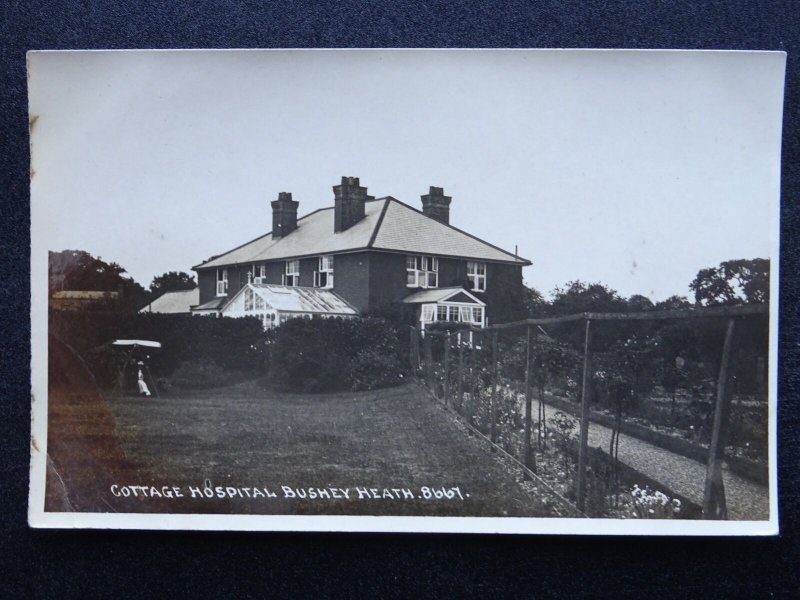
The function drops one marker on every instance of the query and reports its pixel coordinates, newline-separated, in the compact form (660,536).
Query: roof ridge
(461,231)
(255,239)
(387,200)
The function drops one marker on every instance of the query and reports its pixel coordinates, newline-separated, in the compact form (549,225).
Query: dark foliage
(78,270)
(233,344)
(323,355)
(174,281)
(733,282)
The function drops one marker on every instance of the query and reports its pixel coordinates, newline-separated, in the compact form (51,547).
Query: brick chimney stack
(436,205)
(284,215)
(349,199)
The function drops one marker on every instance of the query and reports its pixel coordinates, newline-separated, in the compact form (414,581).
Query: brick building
(377,255)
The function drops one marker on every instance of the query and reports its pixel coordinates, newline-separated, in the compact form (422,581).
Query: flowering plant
(650,504)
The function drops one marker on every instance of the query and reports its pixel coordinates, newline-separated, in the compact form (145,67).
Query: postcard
(479,291)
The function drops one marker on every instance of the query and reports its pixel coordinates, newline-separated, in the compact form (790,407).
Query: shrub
(372,370)
(233,344)
(320,355)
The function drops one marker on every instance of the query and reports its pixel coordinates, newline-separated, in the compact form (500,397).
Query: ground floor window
(255,306)
(253,301)
(452,313)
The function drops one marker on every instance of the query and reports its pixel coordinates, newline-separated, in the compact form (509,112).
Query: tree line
(78,270)
(740,281)
(737,281)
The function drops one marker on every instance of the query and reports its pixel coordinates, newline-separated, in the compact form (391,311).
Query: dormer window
(259,273)
(323,276)
(292,275)
(476,273)
(422,271)
(222,282)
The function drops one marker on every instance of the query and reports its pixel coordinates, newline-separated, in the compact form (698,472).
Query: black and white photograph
(486,291)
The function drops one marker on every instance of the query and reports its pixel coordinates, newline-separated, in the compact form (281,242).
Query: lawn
(254,451)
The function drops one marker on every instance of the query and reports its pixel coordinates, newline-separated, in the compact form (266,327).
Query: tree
(578,297)
(673,303)
(737,281)
(173,281)
(80,271)
(639,303)
(536,306)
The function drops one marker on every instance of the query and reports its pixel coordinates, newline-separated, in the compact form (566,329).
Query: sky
(631,168)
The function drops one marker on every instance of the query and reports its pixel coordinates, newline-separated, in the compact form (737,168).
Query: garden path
(746,500)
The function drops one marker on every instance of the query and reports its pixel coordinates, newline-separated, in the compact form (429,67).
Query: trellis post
(472,362)
(413,348)
(460,372)
(426,346)
(714,506)
(446,368)
(528,399)
(493,411)
(583,447)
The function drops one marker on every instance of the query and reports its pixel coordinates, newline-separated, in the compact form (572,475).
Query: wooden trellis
(714,506)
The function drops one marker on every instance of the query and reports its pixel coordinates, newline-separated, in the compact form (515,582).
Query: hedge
(321,355)
(232,344)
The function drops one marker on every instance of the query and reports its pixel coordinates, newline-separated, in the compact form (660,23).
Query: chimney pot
(436,205)
(284,215)
(348,207)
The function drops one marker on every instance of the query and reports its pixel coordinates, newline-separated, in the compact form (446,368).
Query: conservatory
(276,304)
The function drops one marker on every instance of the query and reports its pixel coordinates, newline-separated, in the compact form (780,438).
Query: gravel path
(745,499)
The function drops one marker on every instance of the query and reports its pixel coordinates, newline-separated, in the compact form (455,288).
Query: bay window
(453,313)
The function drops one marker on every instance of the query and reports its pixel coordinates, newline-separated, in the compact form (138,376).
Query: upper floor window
(476,273)
(422,271)
(259,273)
(222,282)
(292,275)
(323,277)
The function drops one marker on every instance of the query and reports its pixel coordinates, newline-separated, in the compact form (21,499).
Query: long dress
(143,389)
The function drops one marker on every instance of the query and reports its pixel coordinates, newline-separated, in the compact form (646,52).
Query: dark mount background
(132,564)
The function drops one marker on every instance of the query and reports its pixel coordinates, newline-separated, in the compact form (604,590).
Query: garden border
(496,448)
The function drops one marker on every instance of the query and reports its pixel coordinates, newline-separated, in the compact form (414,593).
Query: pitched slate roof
(174,302)
(388,225)
(213,304)
(441,295)
(405,229)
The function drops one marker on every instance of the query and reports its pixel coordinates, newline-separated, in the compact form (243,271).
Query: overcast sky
(632,168)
